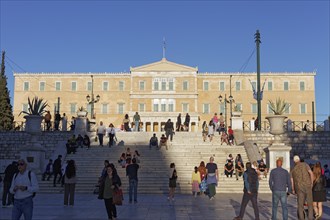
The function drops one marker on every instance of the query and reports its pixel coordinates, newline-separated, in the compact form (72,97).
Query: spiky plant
(279,106)
(36,106)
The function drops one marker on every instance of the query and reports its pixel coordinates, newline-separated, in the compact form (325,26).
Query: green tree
(6,110)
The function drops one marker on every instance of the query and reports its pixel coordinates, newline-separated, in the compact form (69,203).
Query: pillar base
(276,151)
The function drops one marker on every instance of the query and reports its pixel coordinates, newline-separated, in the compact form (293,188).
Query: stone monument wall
(11,143)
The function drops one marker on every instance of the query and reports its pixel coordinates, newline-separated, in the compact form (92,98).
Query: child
(195,181)
(172,181)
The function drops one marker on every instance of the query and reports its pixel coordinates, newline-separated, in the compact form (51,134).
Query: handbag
(118,197)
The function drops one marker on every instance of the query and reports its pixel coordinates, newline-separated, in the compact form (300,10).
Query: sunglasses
(21,164)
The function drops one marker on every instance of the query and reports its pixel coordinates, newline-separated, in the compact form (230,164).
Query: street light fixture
(225,102)
(90,99)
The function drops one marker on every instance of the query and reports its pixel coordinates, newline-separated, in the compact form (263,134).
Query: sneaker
(9,206)
(4,206)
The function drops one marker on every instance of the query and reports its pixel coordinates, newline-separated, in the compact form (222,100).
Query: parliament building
(163,89)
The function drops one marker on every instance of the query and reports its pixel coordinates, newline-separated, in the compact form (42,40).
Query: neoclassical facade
(163,89)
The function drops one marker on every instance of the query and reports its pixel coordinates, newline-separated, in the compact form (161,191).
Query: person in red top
(231,135)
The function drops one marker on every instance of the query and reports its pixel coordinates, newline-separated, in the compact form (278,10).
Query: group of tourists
(58,119)
(218,125)
(126,158)
(74,143)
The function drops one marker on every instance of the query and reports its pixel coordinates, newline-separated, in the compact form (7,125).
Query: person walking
(64,120)
(137,120)
(172,181)
(48,170)
(132,174)
(112,134)
(195,181)
(24,186)
(205,130)
(10,171)
(319,190)
(212,177)
(101,132)
(178,122)
(251,185)
(110,183)
(186,122)
(70,183)
(57,169)
(280,185)
(302,181)
(57,121)
(169,129)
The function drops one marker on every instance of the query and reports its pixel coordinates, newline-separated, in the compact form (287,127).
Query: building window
(156,86)
(121,86)
(171,105)
(302,86)
(222,86)
(120,108)
(73,108)
(239,107)
(89,108)
(25,107)
(73,86)
(26,86)
(163,105)
(57,86)
(142,85)
(105,86)
(238,86)
(142,107)
(206,108)
(254,85)
(206,86)
(303,109)
(254,108)
(155,105)
(89,86)
(185,86)
(222,108)
(270,86)
(104,108)
(286,86)
(269,110)
(41,86)
(185,107)
(287,109)
(171,86)
(163,86)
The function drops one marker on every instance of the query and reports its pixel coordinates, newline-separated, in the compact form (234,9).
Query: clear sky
(216,36)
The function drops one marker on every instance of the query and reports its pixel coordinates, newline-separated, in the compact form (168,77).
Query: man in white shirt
(101,132)
(24,186)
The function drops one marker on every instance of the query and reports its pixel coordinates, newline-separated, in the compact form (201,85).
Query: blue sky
(216,36)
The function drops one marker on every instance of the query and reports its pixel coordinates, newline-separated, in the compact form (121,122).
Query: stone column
(34,154)
(80,126)
(237,123)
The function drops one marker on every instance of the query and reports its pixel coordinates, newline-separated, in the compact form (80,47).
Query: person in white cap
(302,183)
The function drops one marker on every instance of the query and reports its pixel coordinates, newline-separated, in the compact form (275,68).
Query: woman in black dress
(319,190)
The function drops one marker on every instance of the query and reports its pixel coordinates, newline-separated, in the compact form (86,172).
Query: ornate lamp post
(225,101)
(91,100)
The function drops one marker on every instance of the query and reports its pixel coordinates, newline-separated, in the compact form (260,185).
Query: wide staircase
(186,150)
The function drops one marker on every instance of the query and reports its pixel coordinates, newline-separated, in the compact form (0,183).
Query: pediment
(164,66)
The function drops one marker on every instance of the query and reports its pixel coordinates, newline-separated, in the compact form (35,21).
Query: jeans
(254,199)
(276,197)
(111,137)
(100,139)
(133,187)
(55,177)
(23,206)
(169,134)
(137,125)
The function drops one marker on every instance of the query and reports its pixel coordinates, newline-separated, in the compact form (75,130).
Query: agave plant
(279,106)
(36,106)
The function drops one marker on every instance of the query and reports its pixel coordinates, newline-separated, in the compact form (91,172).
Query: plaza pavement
(154,207)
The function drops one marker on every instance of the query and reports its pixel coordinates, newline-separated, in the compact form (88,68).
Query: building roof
(164,66)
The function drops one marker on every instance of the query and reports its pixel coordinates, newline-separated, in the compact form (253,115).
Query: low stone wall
(12,142)
(308,145)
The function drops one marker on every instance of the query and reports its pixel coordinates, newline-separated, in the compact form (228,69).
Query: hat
(296,158)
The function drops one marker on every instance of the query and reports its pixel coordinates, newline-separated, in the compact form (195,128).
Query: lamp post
(91,100)
(231,99)
(225,102)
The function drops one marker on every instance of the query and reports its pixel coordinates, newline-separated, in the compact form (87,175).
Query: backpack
(29,174)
